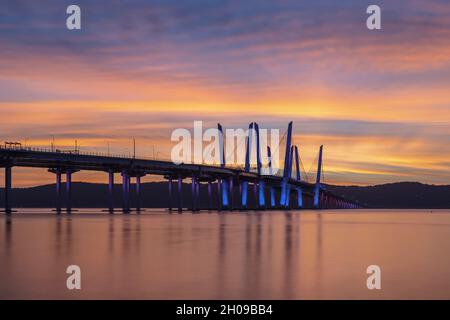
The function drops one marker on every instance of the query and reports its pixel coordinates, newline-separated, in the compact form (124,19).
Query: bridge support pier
(244,195)
(283,193)
(111,191)
(219,194)
(180,194)
(138,193)
(126,192)
(240,193)
(209,195)
(231,193)
(255,195)
(58,191)
(69,191)
(225,199)
(288,197)
(317,198)
(8,182)
(261,195)
(299,198)
(194,193)
(197,194)
(272,197)
(170,194)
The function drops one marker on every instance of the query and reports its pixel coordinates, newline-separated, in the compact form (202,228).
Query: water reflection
(253,255)
(8,235)
(221,256)
(319,255)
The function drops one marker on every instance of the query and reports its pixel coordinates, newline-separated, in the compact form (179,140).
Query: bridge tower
(253,130)
(287,161)
(261,185)
(288,185)
(244,184)
(299,189)
(318,186)
(271,188)
(222,182)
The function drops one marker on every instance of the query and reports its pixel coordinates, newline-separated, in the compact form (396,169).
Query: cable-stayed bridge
(270,191)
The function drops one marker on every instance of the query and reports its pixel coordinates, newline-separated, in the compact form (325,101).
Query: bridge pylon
(271,188)
(299,178)
(284,202)
(318,185)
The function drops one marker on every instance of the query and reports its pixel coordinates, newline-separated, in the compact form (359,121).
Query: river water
(239,255)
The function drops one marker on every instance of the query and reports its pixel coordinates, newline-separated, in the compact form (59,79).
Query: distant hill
(397,195)
(155,195)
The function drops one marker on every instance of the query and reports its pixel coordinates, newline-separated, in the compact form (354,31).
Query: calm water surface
(254,255)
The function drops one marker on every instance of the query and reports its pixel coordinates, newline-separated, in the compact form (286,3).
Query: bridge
(270,191)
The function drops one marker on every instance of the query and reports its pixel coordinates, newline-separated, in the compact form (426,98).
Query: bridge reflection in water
(245,255)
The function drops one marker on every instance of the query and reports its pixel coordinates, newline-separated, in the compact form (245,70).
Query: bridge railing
(253,168)
(72,152)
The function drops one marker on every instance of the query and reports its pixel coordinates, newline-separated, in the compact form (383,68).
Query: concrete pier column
(231,192)
(272,197)
(209,195)
(255,194)
(320,204)
(299,198)
(58,191)
(283,193)
(244,197)
(138,193)
(111,191)
(126,192)
(240,193)
(225,199)
(197,194)
(128,185)
(261,195)
(194,193)
(288,197)
(180,194)
(8,182)
(170,194)
(219,192)
(69,191)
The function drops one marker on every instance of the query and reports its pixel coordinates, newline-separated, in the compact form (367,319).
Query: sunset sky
(378,100)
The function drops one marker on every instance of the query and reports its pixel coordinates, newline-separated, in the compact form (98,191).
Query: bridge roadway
(70,162)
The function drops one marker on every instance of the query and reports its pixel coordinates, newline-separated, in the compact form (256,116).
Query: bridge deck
(69,162)
(78,161)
